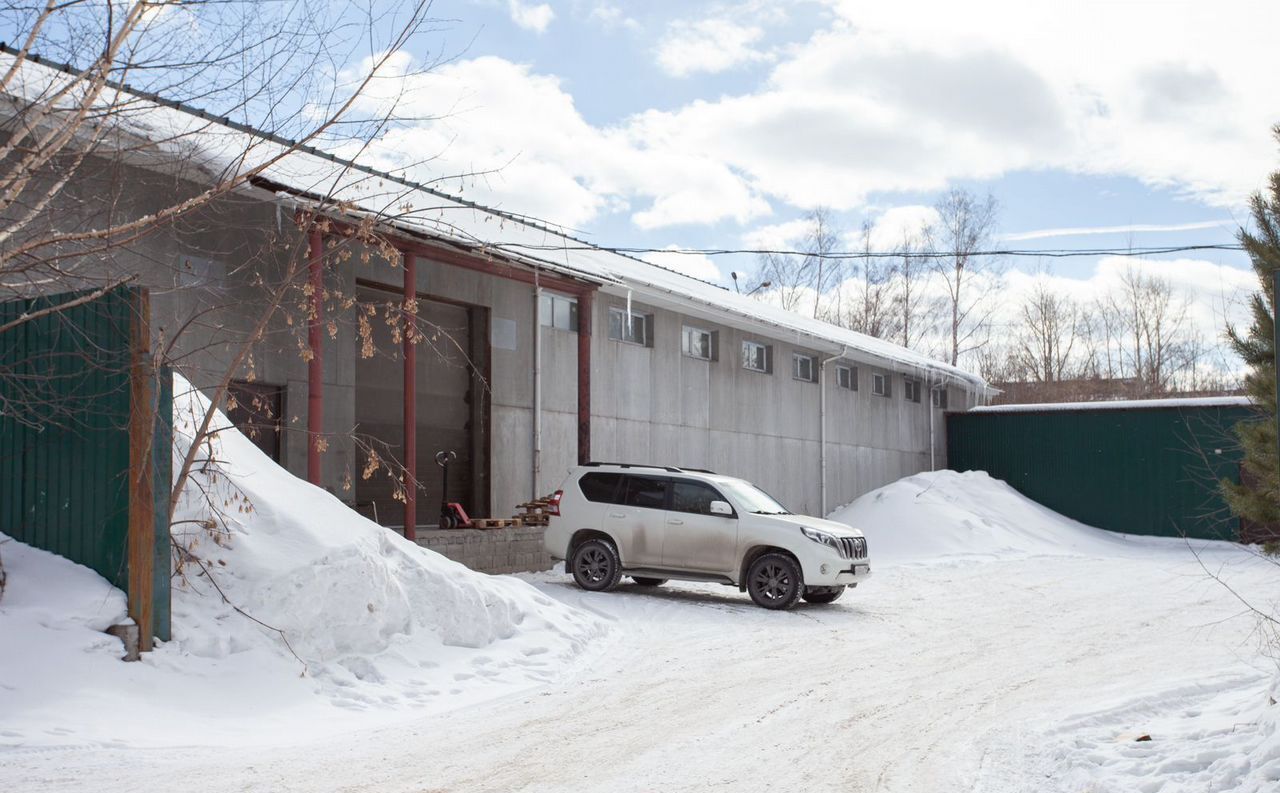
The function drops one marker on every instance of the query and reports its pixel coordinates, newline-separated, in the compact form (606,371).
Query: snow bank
(1219,734)
(364,627)
(945,514)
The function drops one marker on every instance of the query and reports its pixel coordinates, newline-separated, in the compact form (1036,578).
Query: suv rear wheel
(596,566)
(774,581)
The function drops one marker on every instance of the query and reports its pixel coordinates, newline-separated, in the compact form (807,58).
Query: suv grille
(853,547)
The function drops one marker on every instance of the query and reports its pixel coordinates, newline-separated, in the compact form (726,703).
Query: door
(695,539)
(638,522)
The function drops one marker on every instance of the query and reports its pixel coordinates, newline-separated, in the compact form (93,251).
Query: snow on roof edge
(1119,404)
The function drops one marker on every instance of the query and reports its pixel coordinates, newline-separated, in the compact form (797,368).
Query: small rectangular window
(940,397)
(698,343)
(632,328)
(847,377)
(879,384)
(910,389)
(558,311)
(757,357)
(804,367)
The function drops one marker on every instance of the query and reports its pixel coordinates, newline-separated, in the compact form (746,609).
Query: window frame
(796,359)
(547,316)
(852,372)
(938,397)
(645,320)
(712,342)
(767,355)
(886,383)
(911,389)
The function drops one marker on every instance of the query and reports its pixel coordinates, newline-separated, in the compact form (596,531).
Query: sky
(720,125)
(1095,123)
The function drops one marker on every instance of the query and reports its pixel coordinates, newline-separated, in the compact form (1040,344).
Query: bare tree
(964,229)
(1149,331)
(913,308)
(867,304)
(1050,326)
(103,148)
(810,272)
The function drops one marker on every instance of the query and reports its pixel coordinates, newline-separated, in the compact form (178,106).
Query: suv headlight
(821,537)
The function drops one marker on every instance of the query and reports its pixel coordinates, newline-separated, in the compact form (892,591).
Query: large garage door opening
(452,409)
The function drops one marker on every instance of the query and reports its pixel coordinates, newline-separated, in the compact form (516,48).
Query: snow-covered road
(938,677)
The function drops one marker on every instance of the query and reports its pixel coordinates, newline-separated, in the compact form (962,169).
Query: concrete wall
(491,550)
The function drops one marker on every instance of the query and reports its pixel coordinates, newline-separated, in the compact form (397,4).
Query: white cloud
(698,265)
(530,16)
(709,46)
(612,17)
(1132,228)
(899,224)
(540,157)
(885,98)
(778,236)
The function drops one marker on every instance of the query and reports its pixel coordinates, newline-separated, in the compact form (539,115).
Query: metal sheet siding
(1138,471)
(64,441)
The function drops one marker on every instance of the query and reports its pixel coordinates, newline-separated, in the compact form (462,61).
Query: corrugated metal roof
(1120,404)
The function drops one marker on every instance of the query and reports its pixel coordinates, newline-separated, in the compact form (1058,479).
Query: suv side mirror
(721,508)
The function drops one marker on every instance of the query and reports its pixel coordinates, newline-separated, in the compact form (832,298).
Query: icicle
(628,306)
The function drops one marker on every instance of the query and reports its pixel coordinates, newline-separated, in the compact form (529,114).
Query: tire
(596,566)
(642,581)
(823,594)
(774,581)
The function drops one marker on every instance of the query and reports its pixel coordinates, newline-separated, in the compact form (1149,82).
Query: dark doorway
(256,409)
(452,407)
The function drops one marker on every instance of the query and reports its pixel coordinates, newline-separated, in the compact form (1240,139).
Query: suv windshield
(751,498)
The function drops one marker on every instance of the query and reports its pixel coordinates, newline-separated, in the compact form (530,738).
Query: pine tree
(1259,502)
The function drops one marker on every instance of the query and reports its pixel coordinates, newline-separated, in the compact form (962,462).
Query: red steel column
(585,317)
(315,368)
(410,402)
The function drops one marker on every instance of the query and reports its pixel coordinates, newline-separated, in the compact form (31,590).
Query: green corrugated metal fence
(65,407)
(1143,470)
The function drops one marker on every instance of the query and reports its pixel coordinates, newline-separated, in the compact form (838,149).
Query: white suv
(655,523)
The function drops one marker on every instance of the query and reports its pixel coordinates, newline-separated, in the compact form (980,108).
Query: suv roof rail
(700,471)
(669,468)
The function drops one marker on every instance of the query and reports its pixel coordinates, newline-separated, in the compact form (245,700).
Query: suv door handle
(676,522)
(617,514)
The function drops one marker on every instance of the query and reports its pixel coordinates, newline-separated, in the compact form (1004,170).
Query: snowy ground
(999,649)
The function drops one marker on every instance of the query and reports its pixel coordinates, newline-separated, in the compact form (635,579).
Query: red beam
(483,263)
(410,402)
(315,368)
(585,315)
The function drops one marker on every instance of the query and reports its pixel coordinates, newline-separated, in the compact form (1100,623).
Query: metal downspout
(822,426)
(537,384)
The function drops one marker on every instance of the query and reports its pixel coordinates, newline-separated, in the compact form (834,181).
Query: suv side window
(601,487)
(644,491)
(696,497)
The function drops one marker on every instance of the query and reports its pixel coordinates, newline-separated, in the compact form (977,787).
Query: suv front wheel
(596,566)
(774,581)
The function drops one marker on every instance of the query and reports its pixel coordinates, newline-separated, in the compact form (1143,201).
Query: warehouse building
(540,350)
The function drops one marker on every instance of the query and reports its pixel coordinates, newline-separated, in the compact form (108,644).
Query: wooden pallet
(496,523)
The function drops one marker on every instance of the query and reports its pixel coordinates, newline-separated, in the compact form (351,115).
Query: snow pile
(300,619)
(945,514)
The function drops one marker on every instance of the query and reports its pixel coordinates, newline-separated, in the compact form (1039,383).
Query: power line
(1053,253)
